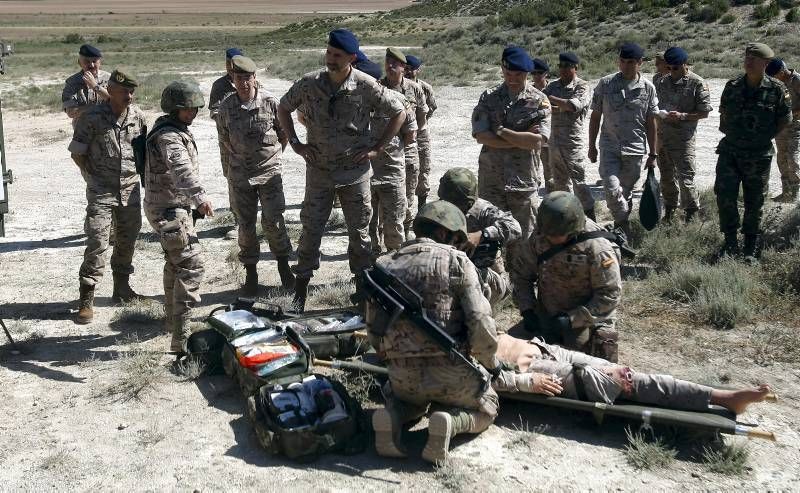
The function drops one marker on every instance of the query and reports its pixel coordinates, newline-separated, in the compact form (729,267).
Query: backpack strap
(585,236)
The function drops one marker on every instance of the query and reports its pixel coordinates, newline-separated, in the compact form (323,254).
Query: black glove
(555,327)
(531,322)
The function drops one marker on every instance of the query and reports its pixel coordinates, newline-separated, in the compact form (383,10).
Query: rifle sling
(585,236)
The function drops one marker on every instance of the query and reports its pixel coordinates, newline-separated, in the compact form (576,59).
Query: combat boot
(791,194)
(731,246)
(443,426)
(301,293)
(180,334)
(421,201)
(250,287)
(287,278)
(752,248)
(388,429)
(689,217)
(590,214)
(122,289)
(669,214)
(85,311)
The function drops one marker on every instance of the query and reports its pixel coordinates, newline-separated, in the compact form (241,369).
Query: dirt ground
(64,427)
(197,6)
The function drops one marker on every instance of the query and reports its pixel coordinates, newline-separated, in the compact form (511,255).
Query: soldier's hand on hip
(546,384)
(593,154)
(206,209)
(366,155)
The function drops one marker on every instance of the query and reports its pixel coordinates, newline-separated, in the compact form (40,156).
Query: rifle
(485,253)
(396,298)
(139,145)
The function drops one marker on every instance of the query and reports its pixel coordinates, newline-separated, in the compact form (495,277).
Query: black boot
(301,293)
(689,217)
(731,246)
(122,289)
(669,214)
(287,278)
(752,248)
(590,214)
(250,287)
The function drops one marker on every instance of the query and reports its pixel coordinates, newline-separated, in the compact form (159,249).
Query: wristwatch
(652,155)
(485,235)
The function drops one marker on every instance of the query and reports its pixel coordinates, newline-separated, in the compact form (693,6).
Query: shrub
(72,38)
(730,460)
(793,15)
(708,12)
(727,19)
(642,453)
(767,11)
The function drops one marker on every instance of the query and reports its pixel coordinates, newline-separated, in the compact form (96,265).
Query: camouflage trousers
(752,173)
(497,285)
(388,215)
(787,143)
(424,149)
(317,206)
(99,216)
(183,266)
(244,203)
(522,204)
(569,175)
(676,162)
(544,174)
(416,383)
(619,173)
(601,380)
(412,179)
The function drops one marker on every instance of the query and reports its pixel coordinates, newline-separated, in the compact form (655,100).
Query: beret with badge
(517,59)
(392,52)
(121,78)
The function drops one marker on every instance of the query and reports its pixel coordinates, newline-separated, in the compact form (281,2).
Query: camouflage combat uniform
(424,142)
(788,141)
(251,134)
(77,95)
(416,98)
(676,139)
(419,372)
(337,131)
(507,177)
(625,106)
(498,226)
(220,89)
(388,182)
(582,281)
(567,138)
(750,119)
(112,187)
(172,189)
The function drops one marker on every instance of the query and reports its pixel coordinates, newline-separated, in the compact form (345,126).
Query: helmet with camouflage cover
(460,187)
(560,213)
(444,214)
(180,95)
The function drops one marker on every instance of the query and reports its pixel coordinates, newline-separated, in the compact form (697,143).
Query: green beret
(395,53)
(759,50)
(243,65)
(123,79)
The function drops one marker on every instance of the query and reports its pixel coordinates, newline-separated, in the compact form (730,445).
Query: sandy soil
(197,6)
(62,428)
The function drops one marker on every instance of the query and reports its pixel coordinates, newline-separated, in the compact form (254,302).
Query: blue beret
(775,65)
(232,52)
(515,58)
(344,40)
(360,56)
(369,67)
(540,65)
(631,51)
(413,62)
(676,56)
(89,51)
(568,57)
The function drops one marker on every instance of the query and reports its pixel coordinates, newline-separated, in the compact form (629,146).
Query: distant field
(196,6)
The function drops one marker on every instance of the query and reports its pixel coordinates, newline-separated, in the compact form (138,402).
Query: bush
(786,4)
(709,12)
(727,19)
(793,15)
(72,38)
(766,12)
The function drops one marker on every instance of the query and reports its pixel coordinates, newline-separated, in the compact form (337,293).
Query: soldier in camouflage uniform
(485,224)
(512,121)
(172,189)
(788,140)
(88,87)
(395,80)
(685,98)
(754,108)
(423,134)
(252,136)
(569,98)
(420,373)
(338,151)
(627,105)
(577,290)
(102,148)
(662,69)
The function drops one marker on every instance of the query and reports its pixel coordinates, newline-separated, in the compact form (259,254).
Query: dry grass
(456,475)
(729,460)
(522,436)
(56,460)
(190,369)
(139,372)
(150,436)
(334,295)
(143,312)
(642,453)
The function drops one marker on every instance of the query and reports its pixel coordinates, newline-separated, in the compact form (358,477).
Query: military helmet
(180,95)
(560,213)
(445,214)
(458,185)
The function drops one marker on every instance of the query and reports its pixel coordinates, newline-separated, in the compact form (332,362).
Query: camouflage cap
(560,213)
(458,185)
(243,65)
(445,215)
(181,95)
(123,79)
(395,53)
(759,50)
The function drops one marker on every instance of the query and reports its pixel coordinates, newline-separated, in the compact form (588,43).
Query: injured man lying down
(540,368)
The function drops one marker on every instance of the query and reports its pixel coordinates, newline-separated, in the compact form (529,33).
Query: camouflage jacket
(430,97)
(172,175)
(688,95)
(582,281)
(389,166)
(338,121)
(414,94)
(220,89)
(76,94)
(253,136)
(625,106)
(499,225)
(750,118)
(567,126)
(794,90)
(105,140)
(451,292)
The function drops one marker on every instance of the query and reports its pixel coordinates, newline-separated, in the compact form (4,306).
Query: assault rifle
(485,253)
(395,298)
